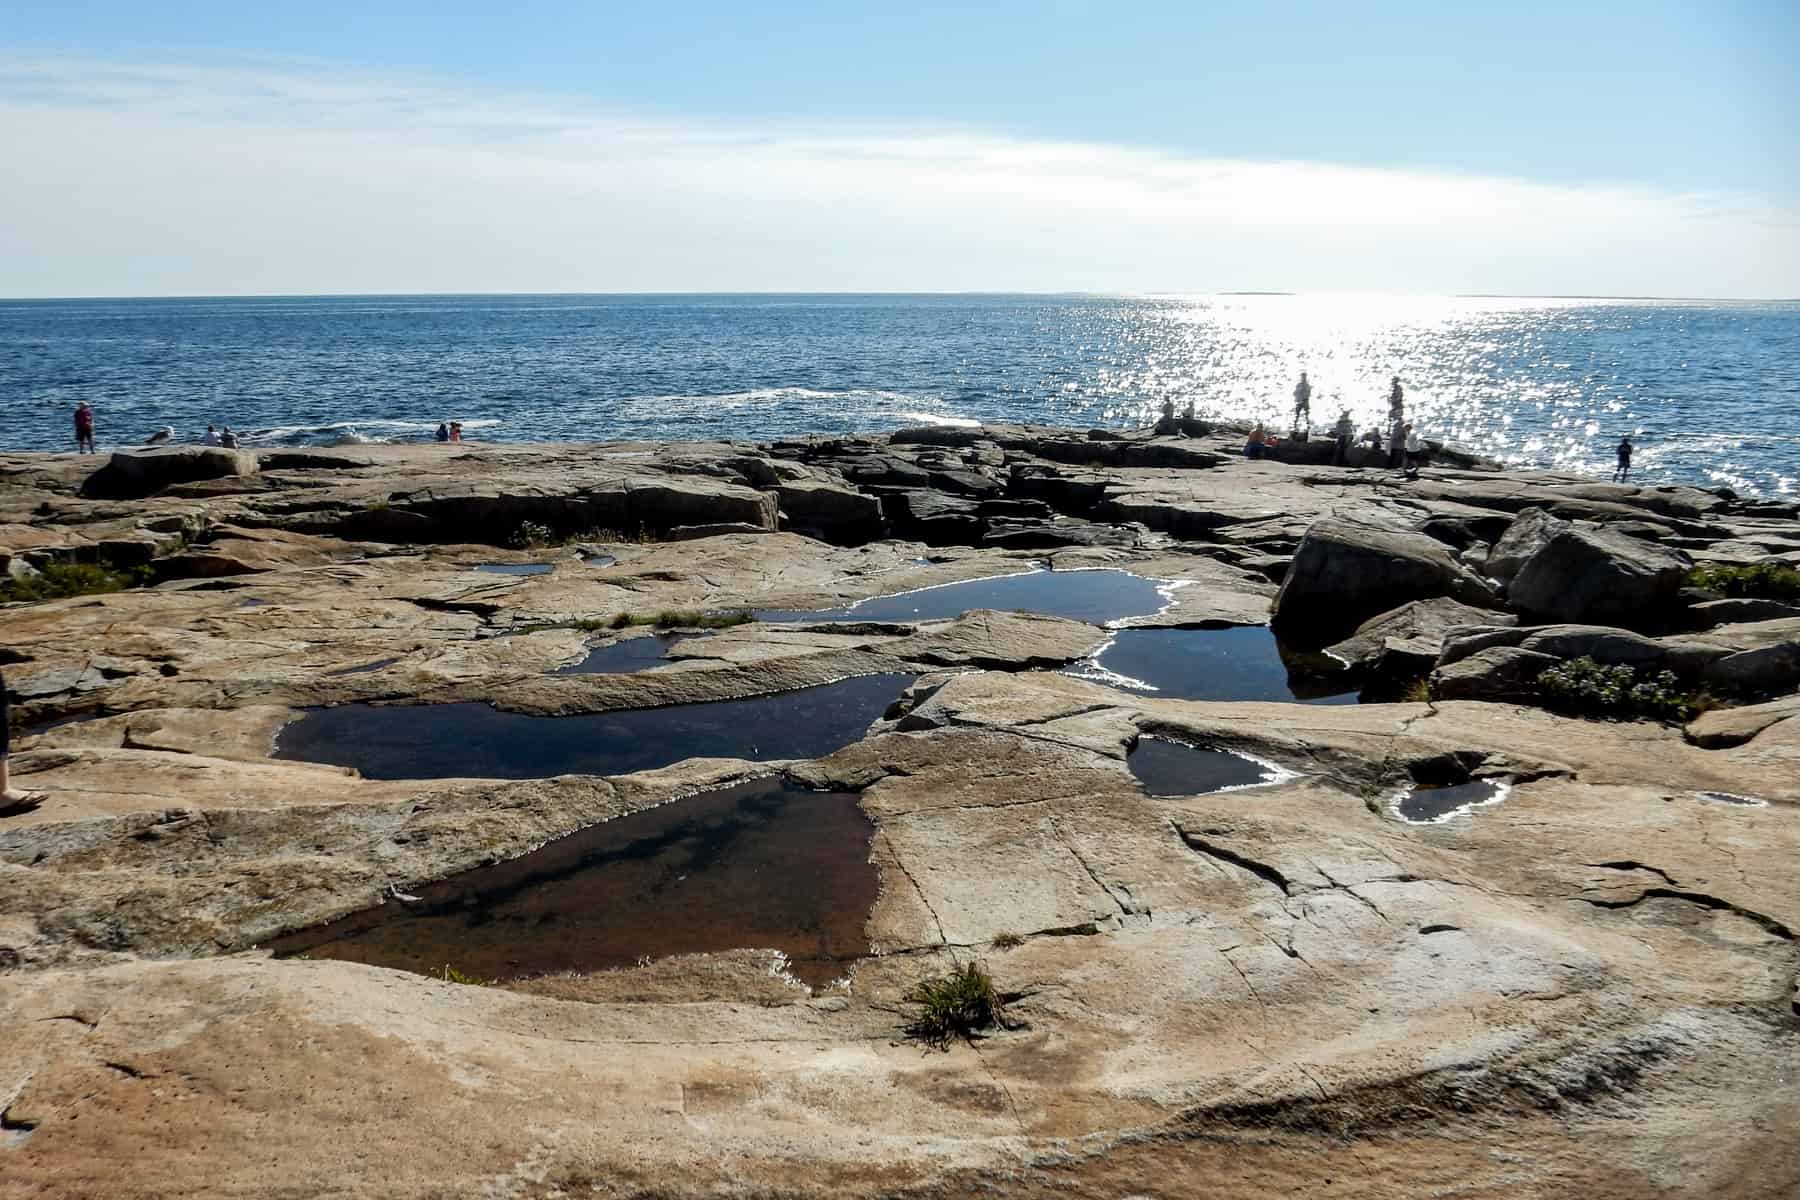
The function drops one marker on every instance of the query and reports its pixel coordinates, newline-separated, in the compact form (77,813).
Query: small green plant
(1764,580)
(450,974)
(1418,691)
(59,580)
(1006,941)
(954,1005)
(1588,688)
(531,536)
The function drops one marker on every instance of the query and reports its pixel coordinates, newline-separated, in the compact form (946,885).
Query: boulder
(1529,532)
(1774,668)
(1052,535)
(1419,623)
(1503,673)
(1709,614)
(933,518)
(1720,728)
(666,503)
(131,474)
(1344,573)
(831,514)
(1593,576)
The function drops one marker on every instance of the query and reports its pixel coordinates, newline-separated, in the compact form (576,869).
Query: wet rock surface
(1299,985)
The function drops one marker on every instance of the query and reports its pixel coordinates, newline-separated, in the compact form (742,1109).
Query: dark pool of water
(624,656)
(1169,768)
(1242,663)
(1423,805)
(516,568)
(1096,596)
(477,741)
(760,865)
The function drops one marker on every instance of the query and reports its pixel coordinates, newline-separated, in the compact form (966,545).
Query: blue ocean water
(1711,390)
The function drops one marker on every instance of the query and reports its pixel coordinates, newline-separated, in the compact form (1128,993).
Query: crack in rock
(1768,923)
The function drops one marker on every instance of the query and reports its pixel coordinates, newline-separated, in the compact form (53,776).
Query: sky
(1620,148)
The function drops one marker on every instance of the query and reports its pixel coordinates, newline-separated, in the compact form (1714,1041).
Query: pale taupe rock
(1586,987)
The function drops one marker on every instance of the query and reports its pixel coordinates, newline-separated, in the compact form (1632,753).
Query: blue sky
(1688,105)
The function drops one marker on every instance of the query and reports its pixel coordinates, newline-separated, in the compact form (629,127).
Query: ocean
(1710,390)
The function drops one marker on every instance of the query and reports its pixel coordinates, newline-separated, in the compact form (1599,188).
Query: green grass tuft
(954,1005)
(450,974)
(1764,580)
(59,580)
(1006,941)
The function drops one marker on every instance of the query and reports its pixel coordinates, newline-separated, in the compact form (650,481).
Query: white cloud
(260,178)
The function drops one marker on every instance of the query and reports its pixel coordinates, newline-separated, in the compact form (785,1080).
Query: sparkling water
(1709,390)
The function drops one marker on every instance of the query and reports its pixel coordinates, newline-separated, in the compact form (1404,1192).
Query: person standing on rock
(84,428)
(1302,403)
(12,800)
(1624,468)
(1396,425)
(1344,430)
(1415,451)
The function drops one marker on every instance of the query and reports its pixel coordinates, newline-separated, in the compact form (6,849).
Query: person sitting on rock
(12,800)
(228,439)
(1167,423)
(443,431)
(1258,444)
(211,437)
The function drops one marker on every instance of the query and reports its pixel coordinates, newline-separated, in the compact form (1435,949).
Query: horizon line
(897,292)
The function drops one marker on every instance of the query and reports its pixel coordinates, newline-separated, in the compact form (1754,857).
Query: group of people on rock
(449,431)
(1406,450)
(215,437)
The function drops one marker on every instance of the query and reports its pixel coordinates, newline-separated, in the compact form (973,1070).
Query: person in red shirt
(84,428)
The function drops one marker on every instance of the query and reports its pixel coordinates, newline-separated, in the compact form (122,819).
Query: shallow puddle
(1428,805)
(1169,768)
(516,568)
(625,656)
(364,668)
(477,741)
(1241,663)
(1096,596)
(1732,798)
(760,865)
(599,560)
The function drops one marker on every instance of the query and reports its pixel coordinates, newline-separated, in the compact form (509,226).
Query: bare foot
(18,800)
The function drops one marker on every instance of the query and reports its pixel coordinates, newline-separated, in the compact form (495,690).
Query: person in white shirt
(211,438)
(1415,450)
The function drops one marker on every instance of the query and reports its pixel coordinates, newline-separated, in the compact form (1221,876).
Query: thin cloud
(295,178)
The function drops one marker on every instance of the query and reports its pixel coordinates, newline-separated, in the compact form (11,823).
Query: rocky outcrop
(1498,673)
(1594,576)
(832,514)
(1210,993)
(130,474)
(1415,631)
(1344,573)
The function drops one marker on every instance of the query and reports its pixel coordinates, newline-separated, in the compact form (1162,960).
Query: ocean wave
(354,433)
(940,419)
